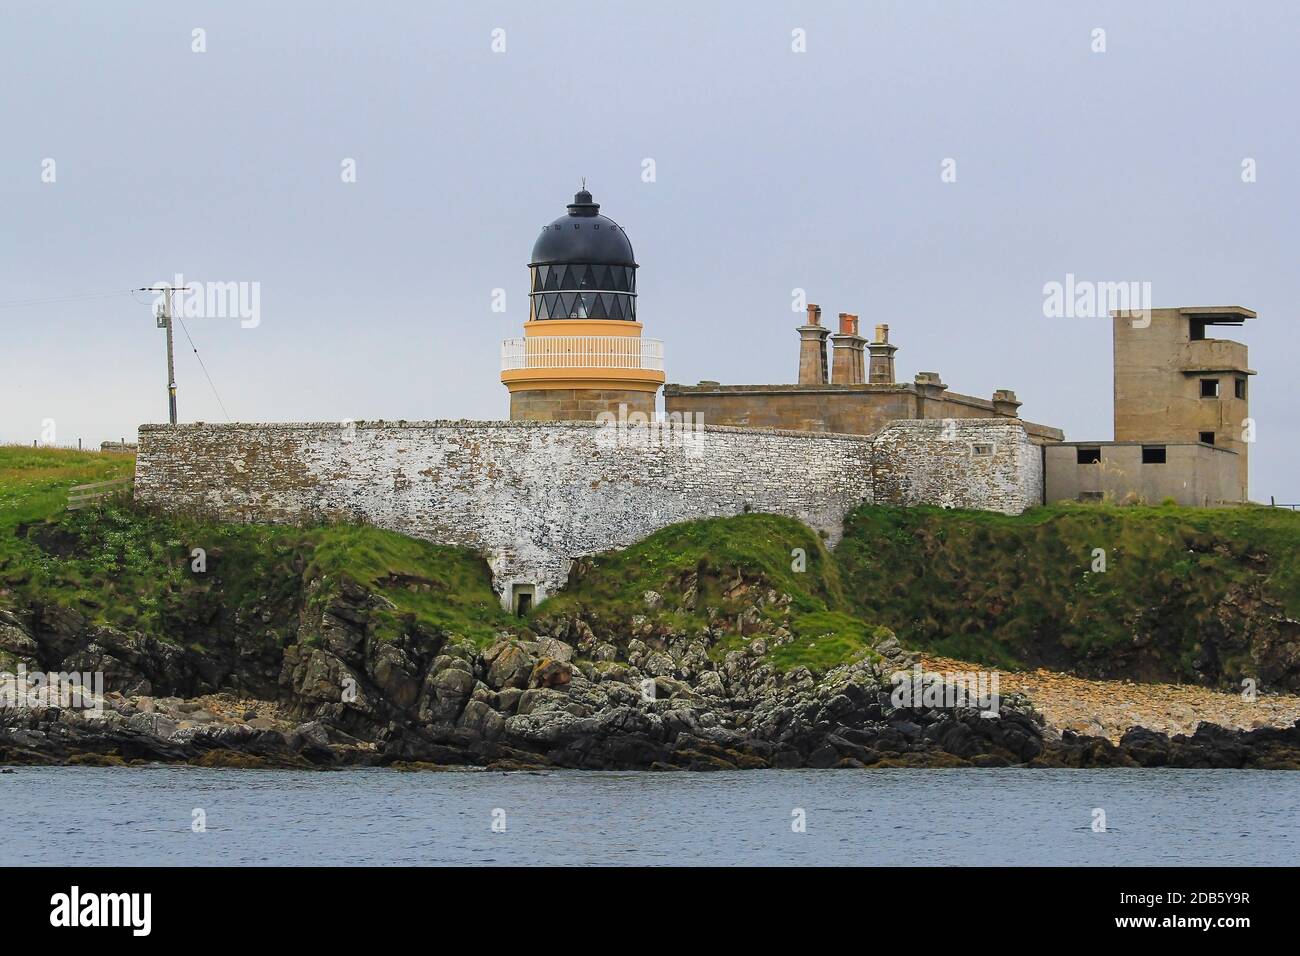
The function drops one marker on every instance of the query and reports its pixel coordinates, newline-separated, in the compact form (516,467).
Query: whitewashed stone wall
(532,496)
(986,464)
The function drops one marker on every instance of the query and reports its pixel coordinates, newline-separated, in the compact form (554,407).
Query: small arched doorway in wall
(523,597)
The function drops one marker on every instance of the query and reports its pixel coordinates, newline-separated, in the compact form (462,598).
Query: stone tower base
(576,404)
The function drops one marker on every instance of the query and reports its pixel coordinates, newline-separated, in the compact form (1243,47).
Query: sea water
(192,816)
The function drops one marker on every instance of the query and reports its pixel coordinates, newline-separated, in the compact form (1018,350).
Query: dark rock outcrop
(577,697)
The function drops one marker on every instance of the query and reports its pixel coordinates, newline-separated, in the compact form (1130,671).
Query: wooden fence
(83,496)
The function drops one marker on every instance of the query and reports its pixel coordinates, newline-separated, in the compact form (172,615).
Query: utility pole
(164,318)
(171,364)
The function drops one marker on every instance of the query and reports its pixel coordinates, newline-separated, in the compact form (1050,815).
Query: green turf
(734,562)
(1014,589)
(132,567)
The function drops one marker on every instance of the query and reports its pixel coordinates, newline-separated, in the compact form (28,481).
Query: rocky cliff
(575,697)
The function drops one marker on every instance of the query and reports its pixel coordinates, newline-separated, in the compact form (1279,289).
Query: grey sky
(775,170)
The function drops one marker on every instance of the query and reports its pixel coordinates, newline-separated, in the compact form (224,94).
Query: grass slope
(130,567)
(730,561)
(1011,590)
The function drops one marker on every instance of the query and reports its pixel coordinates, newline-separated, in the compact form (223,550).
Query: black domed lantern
(582,267)
(582,356)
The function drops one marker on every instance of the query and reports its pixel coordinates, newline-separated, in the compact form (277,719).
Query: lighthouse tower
(582,352)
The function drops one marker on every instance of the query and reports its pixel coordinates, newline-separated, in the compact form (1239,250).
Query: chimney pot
(814,314)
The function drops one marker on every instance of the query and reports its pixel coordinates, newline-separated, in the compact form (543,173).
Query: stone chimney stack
(848,368)
(931,383)
(929,394)
(882,358)
(812,348)
(1006,403)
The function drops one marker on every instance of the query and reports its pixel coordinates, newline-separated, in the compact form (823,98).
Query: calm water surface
(94,816)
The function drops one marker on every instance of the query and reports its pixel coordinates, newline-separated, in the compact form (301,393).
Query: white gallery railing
(582,351)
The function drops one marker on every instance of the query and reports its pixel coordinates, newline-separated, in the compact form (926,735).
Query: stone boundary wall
(958,463)
(532,496)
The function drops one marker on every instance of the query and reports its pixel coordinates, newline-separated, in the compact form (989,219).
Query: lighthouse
(582,352)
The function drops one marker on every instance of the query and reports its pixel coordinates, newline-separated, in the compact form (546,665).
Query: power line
(211,384)
(86,296)
(76,297)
